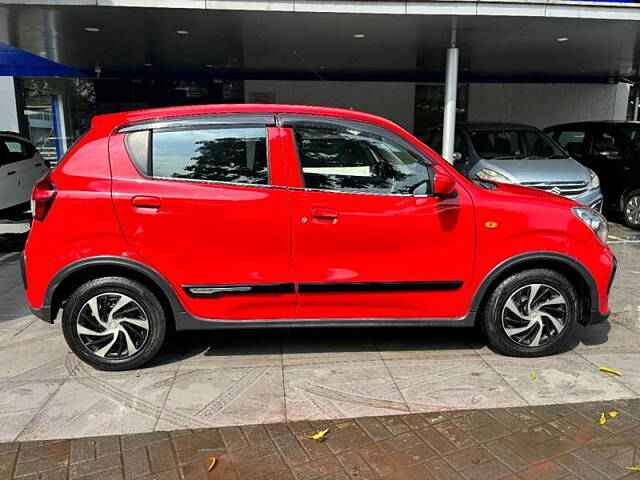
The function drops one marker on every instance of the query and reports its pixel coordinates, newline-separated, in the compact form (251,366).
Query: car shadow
(294,341)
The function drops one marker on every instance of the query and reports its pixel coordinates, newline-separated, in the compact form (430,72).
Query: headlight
(594,181)
(592,219)
(488,174)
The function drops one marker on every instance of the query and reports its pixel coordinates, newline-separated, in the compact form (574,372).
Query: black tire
(143,298)
(628,202)
(516,284)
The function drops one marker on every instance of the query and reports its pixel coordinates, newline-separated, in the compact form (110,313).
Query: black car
(612,150)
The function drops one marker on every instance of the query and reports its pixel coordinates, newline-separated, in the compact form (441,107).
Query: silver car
(512,153)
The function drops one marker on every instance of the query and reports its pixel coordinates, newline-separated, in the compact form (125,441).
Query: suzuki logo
(556,190)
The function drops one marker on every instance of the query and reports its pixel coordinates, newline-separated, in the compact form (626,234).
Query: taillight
(42,197)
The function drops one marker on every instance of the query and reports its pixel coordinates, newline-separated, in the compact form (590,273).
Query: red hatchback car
(229,216)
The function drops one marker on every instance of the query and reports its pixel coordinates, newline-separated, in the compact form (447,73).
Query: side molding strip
(379,286)
(214,291)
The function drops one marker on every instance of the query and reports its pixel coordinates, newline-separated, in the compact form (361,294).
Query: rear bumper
(43,313)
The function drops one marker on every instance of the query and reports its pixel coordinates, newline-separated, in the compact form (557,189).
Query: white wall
(393,100)
(542,105)
(8,108)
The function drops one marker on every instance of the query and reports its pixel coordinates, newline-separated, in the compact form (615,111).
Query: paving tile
(20,402)
(224,396)
(560,379)
(340,390)
(446,383)
(36,353)
(122,403)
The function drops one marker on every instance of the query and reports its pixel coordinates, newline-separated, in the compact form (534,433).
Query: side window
(572,141)
(460,146)
(15,150)
(217,154)
(435,141)
(352,160)
(606,144)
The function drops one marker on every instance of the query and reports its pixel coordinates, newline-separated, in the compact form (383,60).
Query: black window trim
(319,121)
(243,122)
(194,121)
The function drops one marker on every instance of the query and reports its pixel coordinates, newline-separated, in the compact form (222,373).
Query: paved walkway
(241,378)
(537,443)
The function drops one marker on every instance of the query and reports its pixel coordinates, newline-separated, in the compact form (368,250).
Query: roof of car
(476,126)
(594,122)
(113,120)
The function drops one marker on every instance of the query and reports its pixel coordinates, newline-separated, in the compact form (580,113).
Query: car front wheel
(531,313)
(114,323)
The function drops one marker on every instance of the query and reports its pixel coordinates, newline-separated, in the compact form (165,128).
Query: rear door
(369,240)
(204,203)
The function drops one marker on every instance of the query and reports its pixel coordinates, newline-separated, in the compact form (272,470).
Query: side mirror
(443,185)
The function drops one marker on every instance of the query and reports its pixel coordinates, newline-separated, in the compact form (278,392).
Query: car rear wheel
(114,323)
(531,313)
(631,210)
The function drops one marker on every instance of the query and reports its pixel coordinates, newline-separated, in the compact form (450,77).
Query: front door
(369,241)
(8,178)
(206,206)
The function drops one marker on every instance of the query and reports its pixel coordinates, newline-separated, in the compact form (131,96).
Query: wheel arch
(568,266)
(77,273)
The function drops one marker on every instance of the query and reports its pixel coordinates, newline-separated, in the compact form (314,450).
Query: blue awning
(19,63)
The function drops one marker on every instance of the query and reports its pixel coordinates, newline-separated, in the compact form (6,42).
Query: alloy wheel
(112,326)
(632,209)
(534,314)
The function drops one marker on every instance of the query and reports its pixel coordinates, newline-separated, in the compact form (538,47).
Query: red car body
(307,256)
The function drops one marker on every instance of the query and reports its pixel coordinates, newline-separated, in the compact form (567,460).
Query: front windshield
(514,144)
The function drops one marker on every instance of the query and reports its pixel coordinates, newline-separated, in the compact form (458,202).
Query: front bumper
(596,317)
(591,198)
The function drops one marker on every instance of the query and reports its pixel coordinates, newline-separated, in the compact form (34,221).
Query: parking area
(254,377)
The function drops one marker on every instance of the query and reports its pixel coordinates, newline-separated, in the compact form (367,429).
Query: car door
(8,178)
(607,153)
(28,165)
(204,203)
(369,241)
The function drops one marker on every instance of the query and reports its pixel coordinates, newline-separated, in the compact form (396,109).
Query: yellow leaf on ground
(635,468)
(319,435)
(534,375)
(212,464)
(602,420)
(613,414)
(610,370)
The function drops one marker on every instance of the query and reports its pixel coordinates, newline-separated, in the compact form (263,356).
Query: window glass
(17,150)
(460,146)
(138,148)
(604,143)
(237,155)
(352,160)
(514,144)
(572,141)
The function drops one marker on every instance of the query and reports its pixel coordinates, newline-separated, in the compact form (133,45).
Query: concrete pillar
(8,106)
